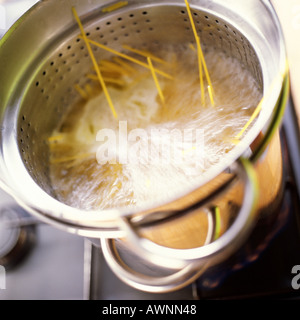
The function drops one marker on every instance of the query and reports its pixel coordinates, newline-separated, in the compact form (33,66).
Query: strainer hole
(145,12)
(37,83)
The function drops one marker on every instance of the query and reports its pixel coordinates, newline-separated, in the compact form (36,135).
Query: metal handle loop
(243,222)
(190,262)
(175,281)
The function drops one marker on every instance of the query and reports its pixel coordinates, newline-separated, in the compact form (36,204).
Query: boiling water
(160,144)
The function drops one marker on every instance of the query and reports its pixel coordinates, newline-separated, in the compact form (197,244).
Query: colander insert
(63,63)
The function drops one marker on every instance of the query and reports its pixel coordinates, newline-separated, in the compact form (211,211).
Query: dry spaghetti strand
(115,6)
(143,53)
(156,80)
(99,75)
(127,57)
(201,60)
(259,106)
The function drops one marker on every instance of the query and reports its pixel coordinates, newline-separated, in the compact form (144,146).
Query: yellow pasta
(102,83)
(115,6)
(127,57)
(144,53)
(201,60)
(156,80)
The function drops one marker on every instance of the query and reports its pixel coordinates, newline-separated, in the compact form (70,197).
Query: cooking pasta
(165,137)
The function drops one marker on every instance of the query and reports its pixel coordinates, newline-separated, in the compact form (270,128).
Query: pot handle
(189,263)
(175,281)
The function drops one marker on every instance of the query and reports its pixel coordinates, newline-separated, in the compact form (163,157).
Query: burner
(17,236)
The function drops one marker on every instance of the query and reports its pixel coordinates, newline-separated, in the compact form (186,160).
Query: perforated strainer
(43,57)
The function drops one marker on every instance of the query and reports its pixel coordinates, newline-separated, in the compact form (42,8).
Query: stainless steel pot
(42,57)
